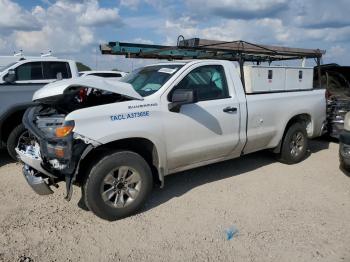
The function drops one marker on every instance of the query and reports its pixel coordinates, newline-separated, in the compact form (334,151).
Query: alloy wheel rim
(121,187)
(297,144)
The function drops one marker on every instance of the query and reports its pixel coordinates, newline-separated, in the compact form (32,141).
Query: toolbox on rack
(259,79)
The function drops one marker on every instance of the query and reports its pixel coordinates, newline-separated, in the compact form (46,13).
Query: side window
(209,82)
(29,71)
(51,69)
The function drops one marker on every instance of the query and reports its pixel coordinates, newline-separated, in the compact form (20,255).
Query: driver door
(204,130)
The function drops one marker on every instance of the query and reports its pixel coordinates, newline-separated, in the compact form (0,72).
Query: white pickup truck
(115,139)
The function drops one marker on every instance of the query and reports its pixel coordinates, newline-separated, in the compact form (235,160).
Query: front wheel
(118,185)
(294,145)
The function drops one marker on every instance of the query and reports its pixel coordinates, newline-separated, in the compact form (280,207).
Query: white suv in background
(18,82)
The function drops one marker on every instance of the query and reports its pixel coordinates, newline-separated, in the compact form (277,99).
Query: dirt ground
(282,213)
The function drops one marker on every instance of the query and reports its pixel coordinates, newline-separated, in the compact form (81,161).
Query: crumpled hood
(114,86)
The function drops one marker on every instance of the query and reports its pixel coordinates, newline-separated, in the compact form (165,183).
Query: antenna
(18,54)
(46,55)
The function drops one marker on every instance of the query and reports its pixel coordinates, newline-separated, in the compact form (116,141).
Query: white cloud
(73,27)
(131,4)
(238,8)
(336,52)
(94,15)
(142,41)
(260,30)
(149,22)
(263,30)
(12,17)
(319,13)
(64,27)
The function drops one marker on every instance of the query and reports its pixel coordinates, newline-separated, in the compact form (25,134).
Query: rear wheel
(294,145)
(118,185)
(18,135)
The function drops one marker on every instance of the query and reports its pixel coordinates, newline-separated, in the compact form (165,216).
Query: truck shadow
(320,144)
(179,184)
(5,158)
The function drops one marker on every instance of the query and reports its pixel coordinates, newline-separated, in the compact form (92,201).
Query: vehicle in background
(344,144)
(336,80)
(18,82)
(105,74)
(7,61)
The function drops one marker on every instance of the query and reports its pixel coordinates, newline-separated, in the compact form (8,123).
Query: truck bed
(268,115)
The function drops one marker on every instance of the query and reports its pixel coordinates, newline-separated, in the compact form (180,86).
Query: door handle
(230,109)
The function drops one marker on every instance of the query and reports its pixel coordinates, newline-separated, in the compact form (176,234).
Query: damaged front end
(37,177)
(53,152)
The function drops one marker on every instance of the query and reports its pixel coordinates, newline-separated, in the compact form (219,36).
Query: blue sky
(74,29)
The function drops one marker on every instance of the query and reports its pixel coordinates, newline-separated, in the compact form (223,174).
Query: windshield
(148,80)
(7,66)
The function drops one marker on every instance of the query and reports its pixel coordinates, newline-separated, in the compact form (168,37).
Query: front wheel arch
(142,146)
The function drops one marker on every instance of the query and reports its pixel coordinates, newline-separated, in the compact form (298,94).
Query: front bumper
(37,183)
(34,172)
(32,160)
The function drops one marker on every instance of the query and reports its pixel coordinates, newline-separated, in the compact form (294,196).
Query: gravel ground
(282,213)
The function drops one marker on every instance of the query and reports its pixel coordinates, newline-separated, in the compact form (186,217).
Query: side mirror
(10,77)
(182,97)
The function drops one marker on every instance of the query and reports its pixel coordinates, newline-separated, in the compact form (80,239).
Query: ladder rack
(197,48)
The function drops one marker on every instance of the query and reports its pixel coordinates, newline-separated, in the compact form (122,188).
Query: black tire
(94,185)
(294,132)
(12,140)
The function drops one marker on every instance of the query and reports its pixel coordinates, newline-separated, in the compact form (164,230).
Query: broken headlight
(55,127)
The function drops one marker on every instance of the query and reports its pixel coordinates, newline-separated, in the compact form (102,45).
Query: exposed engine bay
(53,150)
(76,98)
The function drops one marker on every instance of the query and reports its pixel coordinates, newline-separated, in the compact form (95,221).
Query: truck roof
(184,62)
(46,59)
